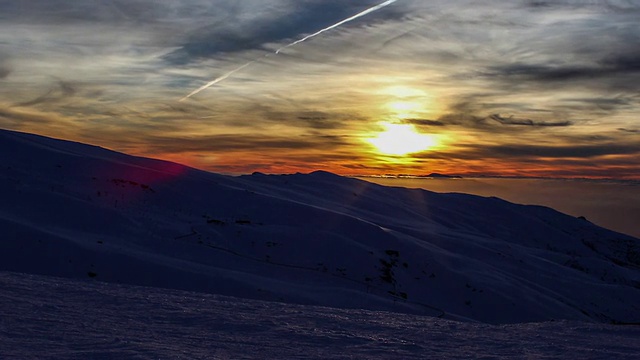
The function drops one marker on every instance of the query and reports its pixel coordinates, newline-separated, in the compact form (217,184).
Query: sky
(518,88)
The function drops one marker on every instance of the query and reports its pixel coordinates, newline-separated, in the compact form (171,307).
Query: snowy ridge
(78,211)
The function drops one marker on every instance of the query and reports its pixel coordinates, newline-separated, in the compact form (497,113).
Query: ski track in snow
(53,318)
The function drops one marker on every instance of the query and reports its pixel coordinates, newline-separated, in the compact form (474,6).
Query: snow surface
(78,211)
(53,318)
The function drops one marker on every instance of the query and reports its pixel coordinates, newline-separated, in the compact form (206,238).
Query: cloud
(624,6)
(35,121)
(602,105)
(245,142)
(598,160)
(320,120)
(556,45)
(632,131)
(63,90)
(469,115)
(5,68)
(16,118)
(625,64)
(89,11)
(533,152)
(527,122)
(424,122)
(273,24)
(281,113)
(541,72)
(619,73)
(560,75)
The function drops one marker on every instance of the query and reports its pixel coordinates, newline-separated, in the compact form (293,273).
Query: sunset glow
(405,102)
(401,139)
(404,109)
(273,86)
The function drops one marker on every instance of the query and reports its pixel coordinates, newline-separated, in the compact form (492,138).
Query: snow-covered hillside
(52,318)
(78,211)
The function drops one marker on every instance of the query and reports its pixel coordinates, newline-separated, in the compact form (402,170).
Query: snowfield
(390,268)
(53,318)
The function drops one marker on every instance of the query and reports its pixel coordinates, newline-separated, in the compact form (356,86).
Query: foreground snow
(78,211)
(53,318)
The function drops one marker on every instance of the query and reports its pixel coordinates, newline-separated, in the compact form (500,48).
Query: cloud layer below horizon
(526,88)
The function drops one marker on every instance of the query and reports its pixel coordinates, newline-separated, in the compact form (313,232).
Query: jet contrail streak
(349,19)
(217,80)
(361,14)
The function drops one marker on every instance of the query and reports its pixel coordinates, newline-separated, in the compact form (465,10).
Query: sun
(401,139)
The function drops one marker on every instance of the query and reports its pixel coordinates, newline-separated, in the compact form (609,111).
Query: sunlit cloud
(294,43)
(558,79)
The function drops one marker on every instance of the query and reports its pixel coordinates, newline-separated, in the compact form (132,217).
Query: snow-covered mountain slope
(79,211)
(53,318)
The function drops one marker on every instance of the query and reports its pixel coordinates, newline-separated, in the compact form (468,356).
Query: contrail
(217,80)
(361,14)
(340,23)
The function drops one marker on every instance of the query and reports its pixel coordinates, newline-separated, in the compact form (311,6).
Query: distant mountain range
(432,175)
(80,211)
(445,176)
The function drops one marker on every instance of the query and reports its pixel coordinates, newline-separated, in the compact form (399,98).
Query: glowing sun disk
(401,139)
